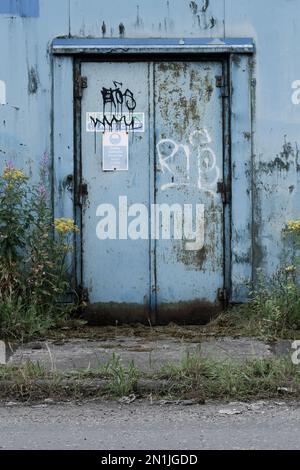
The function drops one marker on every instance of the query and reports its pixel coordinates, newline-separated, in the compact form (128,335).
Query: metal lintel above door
(78,46)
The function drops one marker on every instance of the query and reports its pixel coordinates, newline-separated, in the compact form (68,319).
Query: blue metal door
(151,213)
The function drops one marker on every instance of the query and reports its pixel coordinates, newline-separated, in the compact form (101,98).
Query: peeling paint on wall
(121,30)
(33,81)
(24,8)
(196,8)
(103,29)
(139,24)
(287,158)
(201,15)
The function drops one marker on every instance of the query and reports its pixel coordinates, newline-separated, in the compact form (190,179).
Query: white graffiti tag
(167,150)
(171,154)
(296,93)
(208,171)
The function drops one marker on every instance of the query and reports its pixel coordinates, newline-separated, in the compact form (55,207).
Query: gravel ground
(145,426)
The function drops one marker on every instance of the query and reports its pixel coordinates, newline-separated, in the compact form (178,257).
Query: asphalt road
(142,426)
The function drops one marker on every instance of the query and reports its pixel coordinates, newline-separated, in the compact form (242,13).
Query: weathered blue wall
(25,67)
(28,27)
(274,25)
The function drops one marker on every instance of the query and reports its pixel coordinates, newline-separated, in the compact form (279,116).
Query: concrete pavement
(142,426)
(148,354)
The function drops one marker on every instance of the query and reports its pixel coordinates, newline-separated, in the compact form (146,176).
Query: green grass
(208,379)
(272,313)
(23,373)
(249,321)
(121,380)
(193,377)
(32,381)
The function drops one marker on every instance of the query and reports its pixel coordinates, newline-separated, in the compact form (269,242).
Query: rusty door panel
(189,155)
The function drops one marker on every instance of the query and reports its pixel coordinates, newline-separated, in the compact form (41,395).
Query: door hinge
(223,295)
(225,191)
(221,83)
(80,83)
(83,193)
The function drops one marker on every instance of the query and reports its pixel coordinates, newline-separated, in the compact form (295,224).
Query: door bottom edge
(198,312)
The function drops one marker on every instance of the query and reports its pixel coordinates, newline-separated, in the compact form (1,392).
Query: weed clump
(34,252)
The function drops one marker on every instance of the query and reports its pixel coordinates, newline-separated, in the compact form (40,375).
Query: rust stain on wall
(33,81)
(287,159)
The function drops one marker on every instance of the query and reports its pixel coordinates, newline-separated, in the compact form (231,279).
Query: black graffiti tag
(117,99)
(121,105)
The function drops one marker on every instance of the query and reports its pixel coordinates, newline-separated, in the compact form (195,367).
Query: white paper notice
(115,151)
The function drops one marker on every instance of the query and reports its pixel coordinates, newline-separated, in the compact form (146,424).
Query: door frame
(67,203)
(224,293)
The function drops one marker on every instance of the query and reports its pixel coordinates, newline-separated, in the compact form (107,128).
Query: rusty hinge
(80,83)
(224,190)
(221,82)
(223,295)
(83,192)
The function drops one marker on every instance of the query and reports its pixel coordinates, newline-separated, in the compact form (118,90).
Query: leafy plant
(33,253)
(276,302)
(122,380)
(292,238)
(273,310)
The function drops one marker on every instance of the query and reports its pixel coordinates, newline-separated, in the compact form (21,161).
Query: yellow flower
(65,226)
(293,226)
(290,269)
(12,174)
